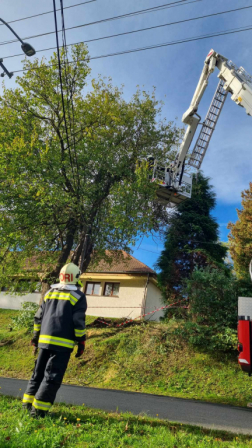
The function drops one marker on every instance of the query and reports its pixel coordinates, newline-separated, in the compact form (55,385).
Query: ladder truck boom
(175,186)
(190,117)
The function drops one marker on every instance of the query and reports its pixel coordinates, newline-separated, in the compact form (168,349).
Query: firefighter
(58,324)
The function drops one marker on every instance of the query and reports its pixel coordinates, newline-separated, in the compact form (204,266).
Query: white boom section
(236,81)
(174,185)
(190,117)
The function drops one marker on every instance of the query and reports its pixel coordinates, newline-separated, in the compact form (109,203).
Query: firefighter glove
(81,348)
(34,340)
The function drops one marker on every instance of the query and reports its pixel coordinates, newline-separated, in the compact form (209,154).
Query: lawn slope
(142,358)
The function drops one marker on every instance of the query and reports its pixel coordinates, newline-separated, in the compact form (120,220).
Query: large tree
(240,237)
(191,239)
(71,185)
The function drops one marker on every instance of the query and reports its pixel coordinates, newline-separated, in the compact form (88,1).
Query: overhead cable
(70,93)
(191,241)
(141,30)
(60,71)
(151,47)
(122,16)
(49,12)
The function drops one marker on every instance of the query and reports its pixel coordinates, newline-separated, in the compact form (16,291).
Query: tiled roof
(120,262)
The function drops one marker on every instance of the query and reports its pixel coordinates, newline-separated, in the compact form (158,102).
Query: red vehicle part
(244,345)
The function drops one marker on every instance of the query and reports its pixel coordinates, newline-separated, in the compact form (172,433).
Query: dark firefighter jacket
(60,320)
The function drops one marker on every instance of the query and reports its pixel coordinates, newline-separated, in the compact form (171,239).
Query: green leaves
(25,317)
(240,237)
(213,295)
(56,185)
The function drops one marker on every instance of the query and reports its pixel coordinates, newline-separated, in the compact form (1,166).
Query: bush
(25,317)
(209,338)
(244,287)
(212,314)
(213,296)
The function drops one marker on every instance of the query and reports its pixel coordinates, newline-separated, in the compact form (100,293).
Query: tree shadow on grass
(142,421)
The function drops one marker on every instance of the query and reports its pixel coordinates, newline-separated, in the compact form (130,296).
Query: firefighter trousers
(46,379)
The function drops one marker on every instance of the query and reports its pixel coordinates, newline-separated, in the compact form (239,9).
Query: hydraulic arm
(175,186)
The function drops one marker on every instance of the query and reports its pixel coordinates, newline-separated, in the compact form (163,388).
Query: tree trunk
(45,288)
(82,256)
(87,259)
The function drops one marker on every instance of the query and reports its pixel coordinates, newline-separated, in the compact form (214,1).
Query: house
(125,287)
(14,301)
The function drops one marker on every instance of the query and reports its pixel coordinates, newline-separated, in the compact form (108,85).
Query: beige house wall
(132,302)
(153,302)
(129,303)
(14,302)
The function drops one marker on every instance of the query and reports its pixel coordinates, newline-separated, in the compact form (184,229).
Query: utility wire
(65,56)
(49,12)
(151,47)
(141,29)
(66,62)
(122,16)
(61,83)
(146,250)
(167,44)
(69,87)
(191,241)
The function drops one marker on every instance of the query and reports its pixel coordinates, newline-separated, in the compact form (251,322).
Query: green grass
(142,358)
(80,427)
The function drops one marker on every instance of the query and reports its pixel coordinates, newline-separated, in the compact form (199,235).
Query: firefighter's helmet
(69,274)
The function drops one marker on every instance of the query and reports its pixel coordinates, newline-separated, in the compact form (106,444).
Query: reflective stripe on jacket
(60,320)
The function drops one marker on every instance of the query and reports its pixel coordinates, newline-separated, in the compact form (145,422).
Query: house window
(111,289)
(92,289)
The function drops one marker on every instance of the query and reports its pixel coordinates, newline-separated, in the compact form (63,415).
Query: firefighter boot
(36,413)
(26,407)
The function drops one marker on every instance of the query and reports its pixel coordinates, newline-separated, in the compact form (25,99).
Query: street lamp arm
(26,47)
(5,23)
(5,70)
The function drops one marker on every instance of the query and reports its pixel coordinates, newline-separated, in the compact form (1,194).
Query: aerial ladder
(174,184)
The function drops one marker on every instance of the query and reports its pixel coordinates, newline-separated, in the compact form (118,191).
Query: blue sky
(174,70)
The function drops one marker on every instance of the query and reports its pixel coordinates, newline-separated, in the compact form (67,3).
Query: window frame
(111,283)
(92,283)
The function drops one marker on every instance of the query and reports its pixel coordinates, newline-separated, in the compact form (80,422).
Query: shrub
(212,314)
(25,317)
(213,296)
(209,338)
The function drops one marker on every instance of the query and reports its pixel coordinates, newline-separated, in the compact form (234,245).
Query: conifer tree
(191,238)
(240,237)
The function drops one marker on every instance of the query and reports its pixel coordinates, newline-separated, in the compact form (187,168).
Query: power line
(142,29)
(152,47)
(50,12)
(60,76)
(65,56)
(122,16)
(191,241)
(146,250)
(69,87)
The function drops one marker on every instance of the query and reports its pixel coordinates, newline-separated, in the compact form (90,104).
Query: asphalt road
(214,416)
